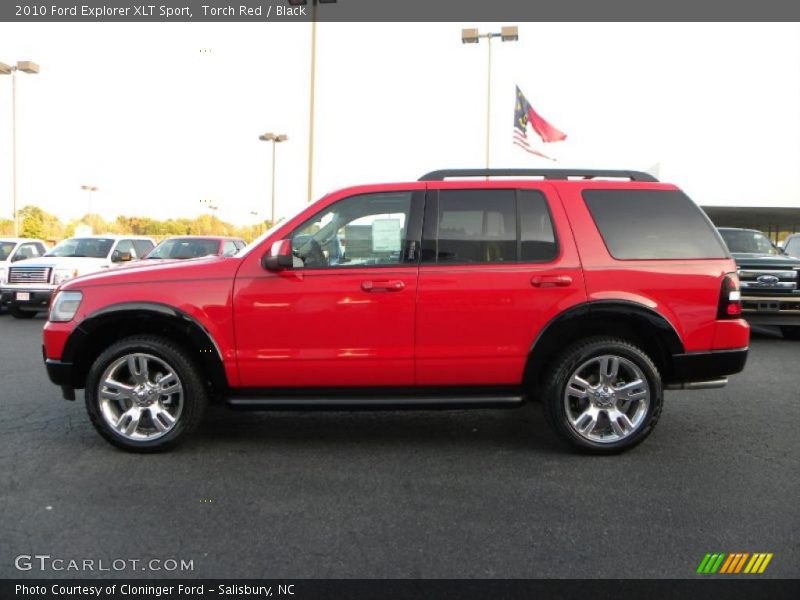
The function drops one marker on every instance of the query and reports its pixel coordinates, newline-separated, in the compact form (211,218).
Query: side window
(27,251)
(363,230)
(239,244)
(142,247)
(229,248)
(477,226)
(123,247)
(537,238)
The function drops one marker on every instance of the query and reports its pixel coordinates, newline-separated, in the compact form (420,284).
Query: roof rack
(544,173)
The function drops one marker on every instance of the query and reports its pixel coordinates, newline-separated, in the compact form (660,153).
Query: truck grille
(25,275)
(766,281)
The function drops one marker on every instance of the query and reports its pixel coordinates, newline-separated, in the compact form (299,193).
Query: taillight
(730,298)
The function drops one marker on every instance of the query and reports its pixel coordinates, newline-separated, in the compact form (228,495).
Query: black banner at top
(394,10)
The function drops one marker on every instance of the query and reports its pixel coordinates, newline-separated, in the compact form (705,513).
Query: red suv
(590,290)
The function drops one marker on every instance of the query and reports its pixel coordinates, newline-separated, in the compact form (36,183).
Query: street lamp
(30,67)
(275,139)
(509,33)
(90,189)
(313,81)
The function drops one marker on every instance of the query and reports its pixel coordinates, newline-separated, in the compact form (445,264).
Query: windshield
(748,242)
(792,247)
(5,250)
(185,248)
(83,247)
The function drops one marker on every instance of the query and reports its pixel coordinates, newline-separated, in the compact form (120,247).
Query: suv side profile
(591,290)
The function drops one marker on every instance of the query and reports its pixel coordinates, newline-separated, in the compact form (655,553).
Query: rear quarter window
(653,224)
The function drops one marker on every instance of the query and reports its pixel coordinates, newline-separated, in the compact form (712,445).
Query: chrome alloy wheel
(606,399)
(141,397)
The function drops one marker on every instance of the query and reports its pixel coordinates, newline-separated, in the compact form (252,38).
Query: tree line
(39,224)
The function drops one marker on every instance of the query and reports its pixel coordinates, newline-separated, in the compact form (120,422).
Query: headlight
(2,274)
(61,275)
(64,306)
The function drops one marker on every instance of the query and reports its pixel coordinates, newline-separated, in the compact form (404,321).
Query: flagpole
(489,101)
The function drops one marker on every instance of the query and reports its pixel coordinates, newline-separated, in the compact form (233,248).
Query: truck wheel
(145,394)
(791,332)
(603,395)
(18,313)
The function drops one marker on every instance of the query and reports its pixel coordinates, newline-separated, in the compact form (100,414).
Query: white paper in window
(386,235)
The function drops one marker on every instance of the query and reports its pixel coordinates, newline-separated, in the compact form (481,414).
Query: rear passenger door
(497,264)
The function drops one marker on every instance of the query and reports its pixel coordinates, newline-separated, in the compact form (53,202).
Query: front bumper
(706,366)
(771,309)
(38,299)
(60,373)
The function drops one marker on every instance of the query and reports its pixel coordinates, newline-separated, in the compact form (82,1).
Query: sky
(161,117)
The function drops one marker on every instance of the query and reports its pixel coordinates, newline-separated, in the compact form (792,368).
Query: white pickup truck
(29,285)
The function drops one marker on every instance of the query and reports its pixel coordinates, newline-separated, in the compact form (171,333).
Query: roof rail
(544,173)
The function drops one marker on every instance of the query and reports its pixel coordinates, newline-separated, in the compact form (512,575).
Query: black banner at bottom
(399,589)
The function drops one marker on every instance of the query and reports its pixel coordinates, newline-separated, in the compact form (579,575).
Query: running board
(373,403)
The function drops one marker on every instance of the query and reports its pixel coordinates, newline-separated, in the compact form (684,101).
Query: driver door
(343,316)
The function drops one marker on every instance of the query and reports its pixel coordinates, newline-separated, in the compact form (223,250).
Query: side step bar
(290,402)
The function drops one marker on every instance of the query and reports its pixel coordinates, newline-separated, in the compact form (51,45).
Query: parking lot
(405,494)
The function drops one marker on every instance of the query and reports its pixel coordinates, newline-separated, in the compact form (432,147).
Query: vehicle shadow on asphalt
(511,429)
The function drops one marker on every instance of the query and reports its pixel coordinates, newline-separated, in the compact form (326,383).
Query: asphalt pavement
(405,493)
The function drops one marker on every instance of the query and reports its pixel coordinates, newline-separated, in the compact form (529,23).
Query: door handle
(551,280)
(394,285)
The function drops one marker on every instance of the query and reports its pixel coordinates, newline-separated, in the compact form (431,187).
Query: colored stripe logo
(734,563)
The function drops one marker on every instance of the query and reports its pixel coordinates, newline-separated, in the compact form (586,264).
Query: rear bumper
(38,299)
(705,366)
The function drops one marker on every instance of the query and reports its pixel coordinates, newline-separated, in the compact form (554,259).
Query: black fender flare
(196,335)
(547,342)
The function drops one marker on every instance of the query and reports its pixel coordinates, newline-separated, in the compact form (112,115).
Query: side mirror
(121,256)
(279,256)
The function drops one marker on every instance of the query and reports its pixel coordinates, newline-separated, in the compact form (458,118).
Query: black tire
(195,397)
(791,332)
(563,368)
(18,313)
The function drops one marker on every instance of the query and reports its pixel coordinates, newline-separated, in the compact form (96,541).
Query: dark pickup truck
(770,280)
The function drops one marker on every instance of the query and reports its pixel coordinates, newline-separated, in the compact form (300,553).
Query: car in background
(791,245)
(770,280)
(190,246)
(14,250)
(31,284)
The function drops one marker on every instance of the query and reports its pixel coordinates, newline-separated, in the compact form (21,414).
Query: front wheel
(603,395)
(791,332)
(145,394)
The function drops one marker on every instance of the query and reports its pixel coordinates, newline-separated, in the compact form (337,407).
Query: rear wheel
(603,395)
(18,313)
(145,394)
(791,332)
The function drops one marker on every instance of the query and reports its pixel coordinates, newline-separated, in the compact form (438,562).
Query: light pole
(312,84)
(91,189)
(275,139)
(509,33)
(30,67)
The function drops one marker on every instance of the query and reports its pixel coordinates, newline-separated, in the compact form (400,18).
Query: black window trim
(413,232)
(430,239)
